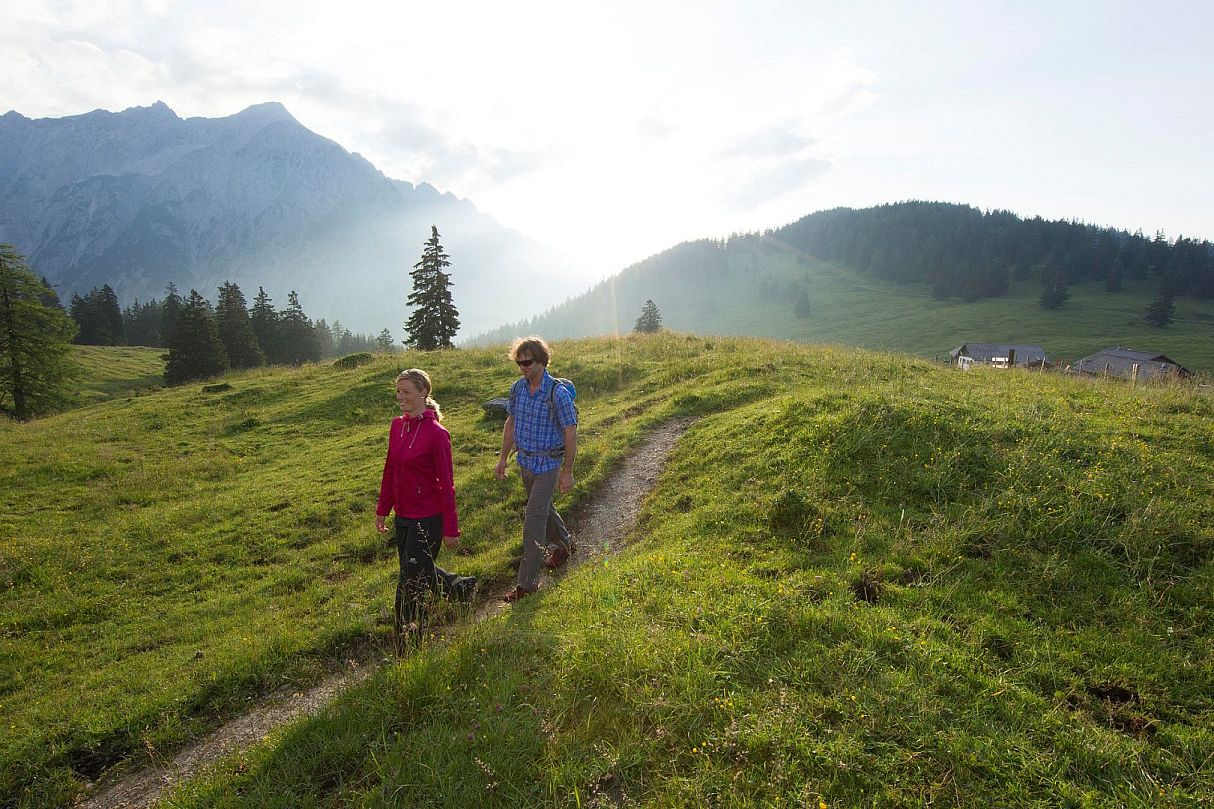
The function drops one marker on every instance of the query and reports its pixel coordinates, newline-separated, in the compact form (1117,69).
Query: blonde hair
(422,380)
(533,345)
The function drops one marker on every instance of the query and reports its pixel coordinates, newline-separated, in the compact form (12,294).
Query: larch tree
(36,367)
(434,320)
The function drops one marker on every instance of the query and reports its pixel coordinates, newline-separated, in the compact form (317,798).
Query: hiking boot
(558,557)
(517,594)
(464,588)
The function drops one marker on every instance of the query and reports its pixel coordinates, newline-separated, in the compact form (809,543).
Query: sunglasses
(524,363)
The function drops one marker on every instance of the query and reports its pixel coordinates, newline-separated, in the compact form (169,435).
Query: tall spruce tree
(650,321)
(297,334)
(1054,292)
(324,339)
(384,341)
(195,350)
(1161,310)
(36,366)
(435,320)
(235,329)
(111,313)
(267,327)
(168,313)
(51,298)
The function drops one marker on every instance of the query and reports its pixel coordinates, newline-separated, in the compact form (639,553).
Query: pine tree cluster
(205,340)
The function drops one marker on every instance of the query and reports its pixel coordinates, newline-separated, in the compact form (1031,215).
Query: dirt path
(599,528)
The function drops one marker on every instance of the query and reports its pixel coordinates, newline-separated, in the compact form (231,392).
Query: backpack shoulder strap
(514,390)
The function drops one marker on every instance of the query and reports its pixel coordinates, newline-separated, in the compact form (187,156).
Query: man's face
(528,366)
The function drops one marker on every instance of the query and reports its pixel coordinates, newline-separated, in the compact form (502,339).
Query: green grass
(1033,552)
(113,371)
(855,309)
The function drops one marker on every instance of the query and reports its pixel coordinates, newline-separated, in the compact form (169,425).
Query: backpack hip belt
(559,452)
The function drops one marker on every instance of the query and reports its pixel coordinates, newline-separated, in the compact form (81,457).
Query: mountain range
(138,198)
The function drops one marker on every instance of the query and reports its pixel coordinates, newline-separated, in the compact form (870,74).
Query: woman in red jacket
(418,486)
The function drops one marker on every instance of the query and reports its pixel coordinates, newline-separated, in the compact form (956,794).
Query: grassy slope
(852,308)
(111,371)
(1041,547)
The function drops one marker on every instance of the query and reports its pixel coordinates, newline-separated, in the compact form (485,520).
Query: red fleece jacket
(418,481)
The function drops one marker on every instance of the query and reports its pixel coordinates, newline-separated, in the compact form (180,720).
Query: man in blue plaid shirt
(541,423)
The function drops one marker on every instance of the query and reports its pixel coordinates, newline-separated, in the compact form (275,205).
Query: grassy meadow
(863,580)
(113,371)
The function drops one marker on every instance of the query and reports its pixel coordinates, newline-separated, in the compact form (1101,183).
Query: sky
(614,130)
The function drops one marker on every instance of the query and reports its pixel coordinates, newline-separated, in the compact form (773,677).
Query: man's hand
(380,524)
(500,471)
(565,481)
(450,543)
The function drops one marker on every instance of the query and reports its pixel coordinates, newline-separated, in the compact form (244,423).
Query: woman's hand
(380,524)
(450,543)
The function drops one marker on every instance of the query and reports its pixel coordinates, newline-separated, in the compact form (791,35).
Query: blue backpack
(560,381)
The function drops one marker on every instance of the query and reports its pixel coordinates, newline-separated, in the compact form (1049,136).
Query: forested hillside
(971,254)
(917,277)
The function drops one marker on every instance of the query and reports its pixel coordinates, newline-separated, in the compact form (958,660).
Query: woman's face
(409,396)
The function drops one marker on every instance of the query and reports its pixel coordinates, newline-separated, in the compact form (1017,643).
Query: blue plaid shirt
(535,432)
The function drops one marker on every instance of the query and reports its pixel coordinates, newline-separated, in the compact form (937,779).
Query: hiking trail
(599,527)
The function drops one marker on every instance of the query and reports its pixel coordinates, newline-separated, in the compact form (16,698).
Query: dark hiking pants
(418,541)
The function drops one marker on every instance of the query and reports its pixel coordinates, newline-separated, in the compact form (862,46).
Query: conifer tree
(110,313)
(1160,311)
(98,317)
(1053,287)
(36,367)
(51,298)
(235,329)
(267,327)
(299,343)
(195,350)
(169,312)
(324,339)
(384,341)
(142,322)
(1112,281)
(802,308)
(650,321)
(434,320)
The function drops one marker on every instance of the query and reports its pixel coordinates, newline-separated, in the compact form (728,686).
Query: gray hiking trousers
(542,526)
